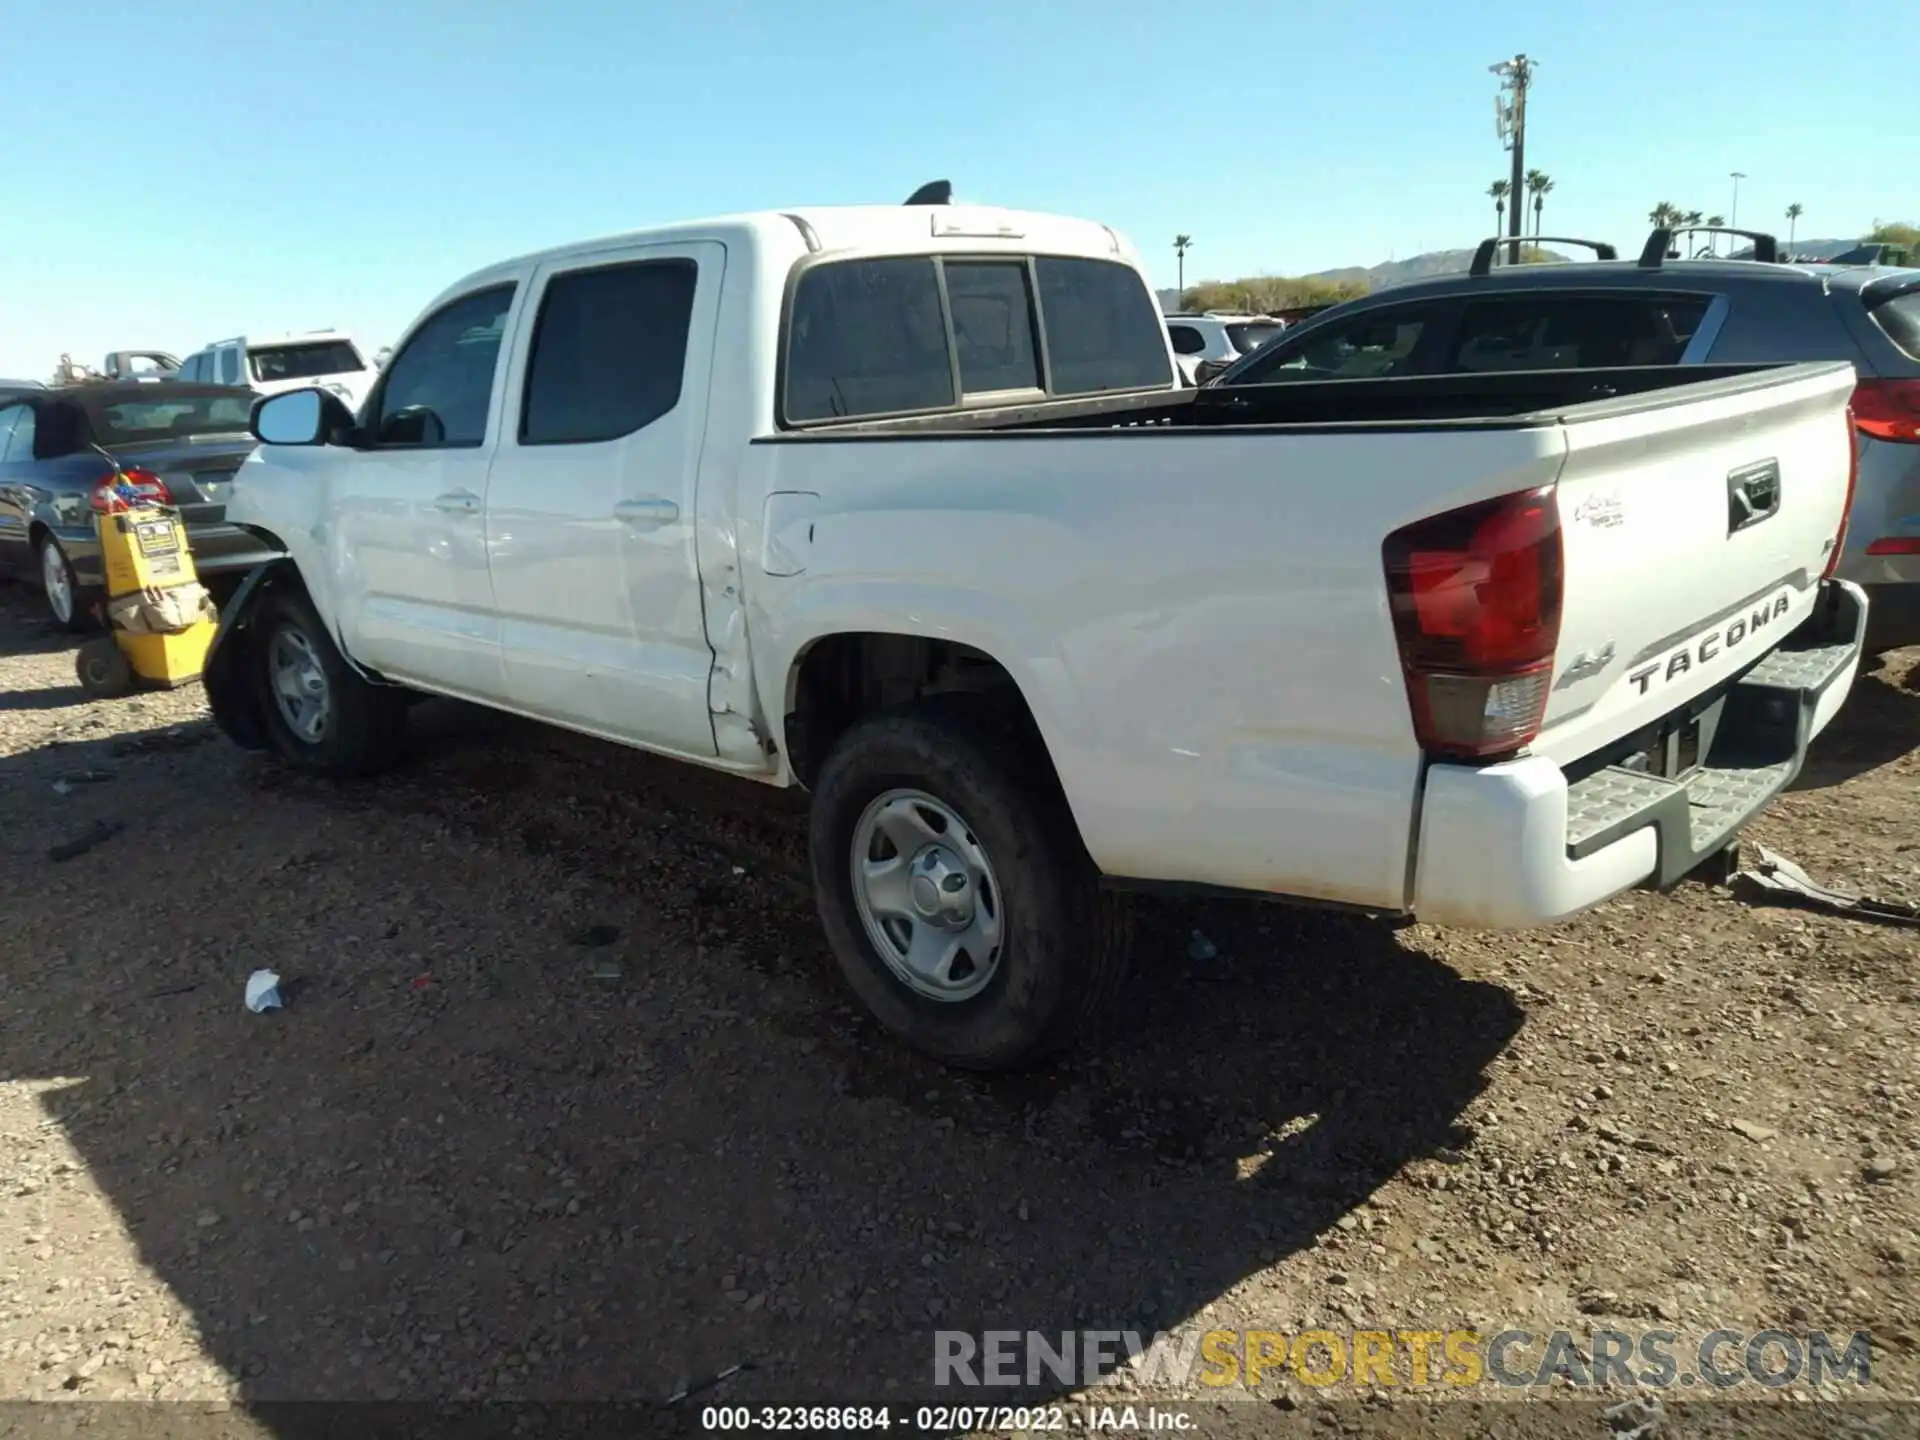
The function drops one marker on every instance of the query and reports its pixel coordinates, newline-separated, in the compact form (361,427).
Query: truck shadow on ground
(1879,723)
(458,1165)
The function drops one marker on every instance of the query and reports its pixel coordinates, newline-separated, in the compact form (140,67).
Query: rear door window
(230,365)
(1567,332)
(1186,340)
(19,446)
(1383,342)
(609,351)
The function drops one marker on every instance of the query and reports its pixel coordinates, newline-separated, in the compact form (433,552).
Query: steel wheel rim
(53,573)
(926,894)
(299,684)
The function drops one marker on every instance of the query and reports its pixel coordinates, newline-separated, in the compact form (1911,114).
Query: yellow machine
(162,619)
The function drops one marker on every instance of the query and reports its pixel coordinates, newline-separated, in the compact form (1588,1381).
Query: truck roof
(891,229)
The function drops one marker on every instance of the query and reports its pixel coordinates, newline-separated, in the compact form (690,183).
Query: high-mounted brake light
(1846,510)
(1888,410)
(1475,596)
(121,490)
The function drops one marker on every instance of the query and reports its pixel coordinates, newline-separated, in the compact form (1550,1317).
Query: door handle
(458,502)
(652,510)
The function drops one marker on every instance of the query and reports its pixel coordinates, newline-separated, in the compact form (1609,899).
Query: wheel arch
(839,678)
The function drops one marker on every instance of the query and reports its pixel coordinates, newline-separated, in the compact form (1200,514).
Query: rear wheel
(320,713)
(955,892)
(65,600)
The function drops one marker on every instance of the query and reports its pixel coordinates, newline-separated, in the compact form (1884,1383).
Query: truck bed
(1493,401)
(1203,631)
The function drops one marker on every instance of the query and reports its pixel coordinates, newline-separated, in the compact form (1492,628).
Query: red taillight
(1895,545)
(1888,410)
(1853,479)
(1475,595)
(123,489)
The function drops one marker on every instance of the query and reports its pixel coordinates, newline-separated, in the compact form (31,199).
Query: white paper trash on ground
(263,991)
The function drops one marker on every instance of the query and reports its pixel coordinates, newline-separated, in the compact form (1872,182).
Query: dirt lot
(476,1157)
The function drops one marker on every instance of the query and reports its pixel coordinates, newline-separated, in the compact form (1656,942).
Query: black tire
(1067,942)
(82,620)
(365,726)
(103,669)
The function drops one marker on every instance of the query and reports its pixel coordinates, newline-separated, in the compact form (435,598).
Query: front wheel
(320,713)
(955,892)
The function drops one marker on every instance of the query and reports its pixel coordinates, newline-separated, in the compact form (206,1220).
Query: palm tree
(1794,212)
(1714,240)
(1499,190)
(1688,218)
(1182,244)
(1539,183)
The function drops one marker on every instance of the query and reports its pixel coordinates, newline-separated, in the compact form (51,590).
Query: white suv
(1217,336)
(323,359)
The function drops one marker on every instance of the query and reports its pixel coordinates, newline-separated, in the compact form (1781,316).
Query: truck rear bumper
(1521,843)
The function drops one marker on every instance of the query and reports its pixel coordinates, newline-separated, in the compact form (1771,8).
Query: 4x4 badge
(1587,663)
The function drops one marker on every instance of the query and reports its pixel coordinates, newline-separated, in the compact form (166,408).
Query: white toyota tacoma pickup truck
(904,505)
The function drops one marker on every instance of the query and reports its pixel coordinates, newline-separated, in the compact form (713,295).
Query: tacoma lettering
(1707,646)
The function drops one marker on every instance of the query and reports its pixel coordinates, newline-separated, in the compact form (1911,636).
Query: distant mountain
(1415,267)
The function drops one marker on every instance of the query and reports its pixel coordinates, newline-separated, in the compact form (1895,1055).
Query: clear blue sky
(179,173)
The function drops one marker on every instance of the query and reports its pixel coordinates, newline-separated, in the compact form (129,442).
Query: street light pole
(1733,215)
(1515,75)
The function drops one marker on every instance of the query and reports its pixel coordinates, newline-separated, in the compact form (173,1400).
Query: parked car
(1659,311)
(178,442)
(905,506)
(139,365)
(1217,338)
(328,359)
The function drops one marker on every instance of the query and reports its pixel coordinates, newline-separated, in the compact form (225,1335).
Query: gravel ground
(568,1102)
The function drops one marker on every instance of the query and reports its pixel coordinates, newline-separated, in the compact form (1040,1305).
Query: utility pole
(1510,121)
(1733,215)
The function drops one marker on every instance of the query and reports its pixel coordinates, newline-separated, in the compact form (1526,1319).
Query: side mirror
(1208,369)
(299,417)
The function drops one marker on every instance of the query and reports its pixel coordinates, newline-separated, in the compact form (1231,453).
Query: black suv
(1661,310)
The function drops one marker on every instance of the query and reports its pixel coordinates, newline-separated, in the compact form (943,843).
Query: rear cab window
(303,360)
(1248,338)
(172,414)
(905,335)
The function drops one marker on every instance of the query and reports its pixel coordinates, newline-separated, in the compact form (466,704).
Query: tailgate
(1696,524)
